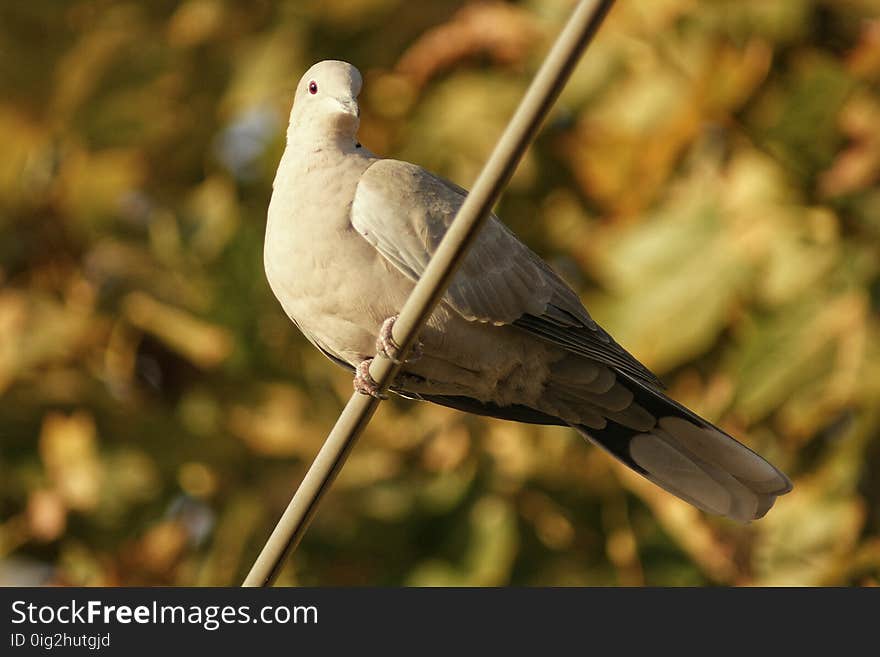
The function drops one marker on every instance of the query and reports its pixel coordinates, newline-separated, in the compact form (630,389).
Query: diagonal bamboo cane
(523,126)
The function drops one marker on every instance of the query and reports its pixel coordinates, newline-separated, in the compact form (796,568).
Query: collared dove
(348,235)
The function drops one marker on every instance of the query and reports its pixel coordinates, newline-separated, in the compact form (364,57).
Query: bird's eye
(313,87)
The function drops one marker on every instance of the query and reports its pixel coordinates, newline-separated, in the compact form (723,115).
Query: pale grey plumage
(350,233)
(501,280)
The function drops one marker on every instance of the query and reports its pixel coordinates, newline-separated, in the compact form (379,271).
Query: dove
(349,233)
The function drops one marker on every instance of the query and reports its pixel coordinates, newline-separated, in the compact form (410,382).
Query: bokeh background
(708,183)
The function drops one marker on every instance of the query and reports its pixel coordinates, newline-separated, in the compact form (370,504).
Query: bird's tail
(691,458)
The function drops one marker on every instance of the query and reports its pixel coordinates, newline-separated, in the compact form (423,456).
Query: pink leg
(366,384)
(385,344)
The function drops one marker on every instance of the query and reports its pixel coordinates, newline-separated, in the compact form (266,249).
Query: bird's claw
(366,384)
(386,345)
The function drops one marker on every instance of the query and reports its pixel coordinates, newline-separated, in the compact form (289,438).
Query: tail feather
(654,435)
(691,458)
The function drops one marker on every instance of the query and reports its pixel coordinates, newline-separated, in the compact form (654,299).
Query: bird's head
(325,102)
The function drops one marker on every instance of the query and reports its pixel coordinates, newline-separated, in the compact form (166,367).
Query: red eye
(313,87)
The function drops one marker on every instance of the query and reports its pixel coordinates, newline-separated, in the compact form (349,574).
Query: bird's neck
(334,137)
(299,155)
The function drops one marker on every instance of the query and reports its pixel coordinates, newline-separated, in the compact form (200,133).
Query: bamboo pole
(523,126)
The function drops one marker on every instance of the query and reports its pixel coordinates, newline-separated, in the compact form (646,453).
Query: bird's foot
(366,384)
(386,345)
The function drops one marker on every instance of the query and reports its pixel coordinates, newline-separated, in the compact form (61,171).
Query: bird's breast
(327,277)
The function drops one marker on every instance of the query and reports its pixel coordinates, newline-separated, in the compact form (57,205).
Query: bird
(349,233)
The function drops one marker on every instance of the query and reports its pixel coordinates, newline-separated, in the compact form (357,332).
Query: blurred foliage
(708,182)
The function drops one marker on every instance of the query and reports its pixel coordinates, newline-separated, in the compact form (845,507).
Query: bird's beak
(349,106)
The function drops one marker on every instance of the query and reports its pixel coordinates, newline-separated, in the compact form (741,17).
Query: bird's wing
(404,211)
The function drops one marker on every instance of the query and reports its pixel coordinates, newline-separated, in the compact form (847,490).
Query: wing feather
(404,211)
